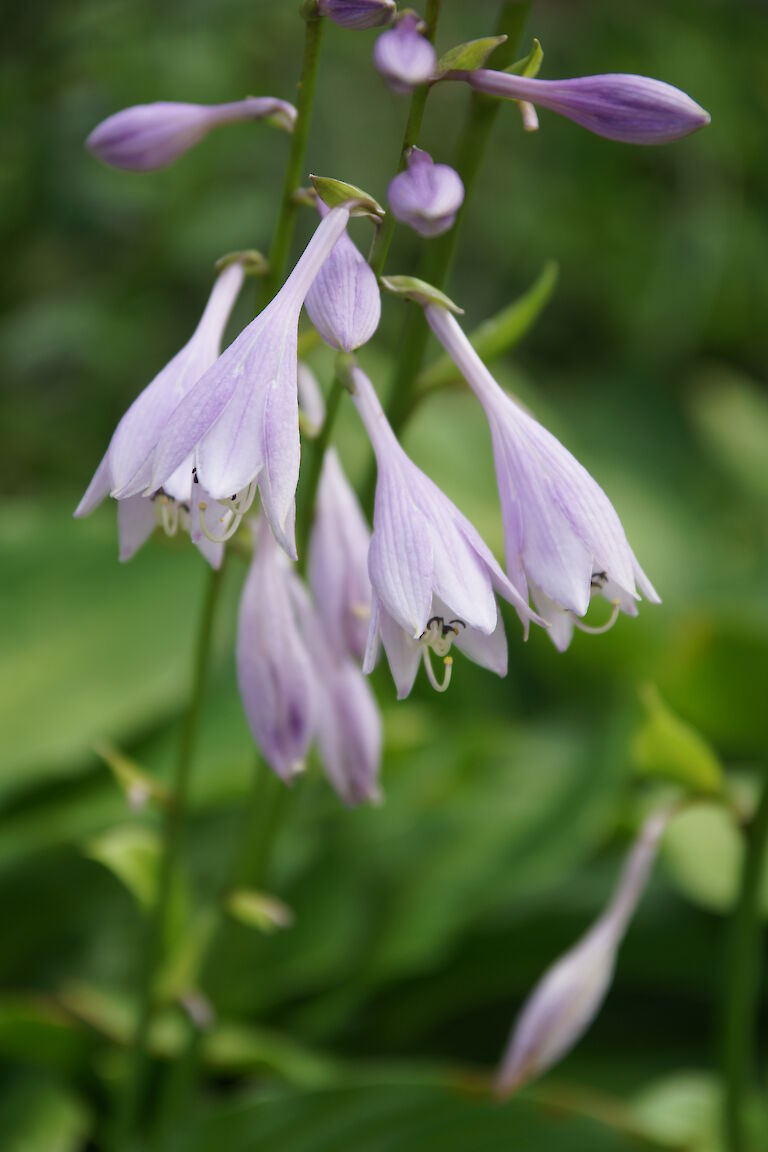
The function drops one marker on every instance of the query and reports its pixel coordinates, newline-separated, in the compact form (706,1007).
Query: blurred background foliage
(420,925)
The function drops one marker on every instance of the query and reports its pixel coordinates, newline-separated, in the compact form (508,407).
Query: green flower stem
(743,980)
(135,1090)
(384,235)
(439,255)
(281,243)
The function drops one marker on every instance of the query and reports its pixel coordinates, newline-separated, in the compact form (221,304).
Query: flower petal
(135,524)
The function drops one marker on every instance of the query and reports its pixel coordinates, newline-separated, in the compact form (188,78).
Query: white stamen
(233,514)
(591,630)
(448,663)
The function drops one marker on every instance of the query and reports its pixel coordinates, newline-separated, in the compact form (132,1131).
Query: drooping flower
(296,688)
(358,14)
(571,993)
(338,560)
(564,541)
(632,109)
(403,56)
(344,303)
(175,504)
(434,579)
(311,402)
(240,420)
(149,136)
(426,195)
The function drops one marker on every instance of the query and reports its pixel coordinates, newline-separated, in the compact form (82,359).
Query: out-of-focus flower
(338,561)
(149,136)
(344,303)
(632,109)
(358,14)
(403,56)
(175,504)
(426,195)
(296,688)
(311,402)
(274,671)
(241,419)
(570,994)
(564,540)
(434,579)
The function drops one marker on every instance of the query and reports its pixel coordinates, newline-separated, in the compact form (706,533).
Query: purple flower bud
(149,136)
(338,561)
(311,402)
(274,672)
(358,14)
(571,993)
(426,196)
(344,303)
(633,109)
(404,57)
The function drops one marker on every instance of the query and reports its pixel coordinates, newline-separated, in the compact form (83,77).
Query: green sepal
(335,193)
(468,56)
(411,288)
(530,64)
(254,262)
(139,787)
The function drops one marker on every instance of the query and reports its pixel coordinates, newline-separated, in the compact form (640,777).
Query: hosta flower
(358,14)
(564,540)
(434,579)
(570,994)
(426,195)
(403,56)
(344,303)
(296,689)
(338,560)
(124,464)
(149,136)
(633,109)
(241,419)
(311,402)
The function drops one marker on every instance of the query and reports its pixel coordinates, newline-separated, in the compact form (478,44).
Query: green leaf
(703,851)
(411,288)
(530,64)
(132,853)
(235,1049)
(502,332)
(38,1115)
(668,747)
(470,55)
(258,910)
(682,1111)
(731,415)
(138,786)
(337,192)
(34,1030)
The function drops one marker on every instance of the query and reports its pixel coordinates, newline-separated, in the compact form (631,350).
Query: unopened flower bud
(358,14)
(311,403)
(149,136)
(403,56)
(344,303)
(426,195)
(570,994)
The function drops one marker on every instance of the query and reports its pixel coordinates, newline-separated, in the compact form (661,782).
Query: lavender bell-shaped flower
(434,579)
(338,561)
(175,504)
(570,994)
(275,675)
(241,418)
(149,136)
(564,540)
(403,56)
(358,14)
(426,196)
(632,109)
(344,303)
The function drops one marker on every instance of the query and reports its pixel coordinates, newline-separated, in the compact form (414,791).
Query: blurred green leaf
(132,853)
(665,746)
(682,1111)
(39,1115)
(731,415)
(703,850)
(258,910)
(496,336)
(33,1030)
(469,55)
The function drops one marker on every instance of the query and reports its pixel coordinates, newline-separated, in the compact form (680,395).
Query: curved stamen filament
(598,630)
(234,521)
(448,664)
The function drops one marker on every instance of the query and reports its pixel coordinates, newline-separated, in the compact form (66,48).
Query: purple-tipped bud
(358,14)
(571,993)
(338,561)
(344,303)
(426,196)
(632,109)
(404,57)
(149,136)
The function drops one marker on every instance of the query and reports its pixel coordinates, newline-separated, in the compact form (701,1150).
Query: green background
(420,925)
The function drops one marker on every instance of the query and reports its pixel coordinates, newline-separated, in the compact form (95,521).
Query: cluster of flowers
(212,431)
